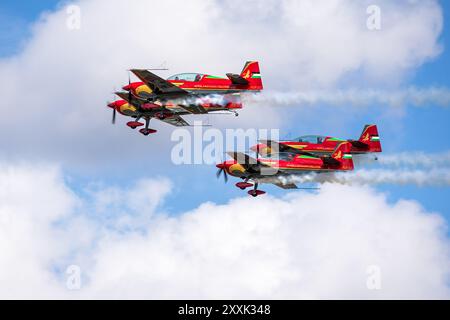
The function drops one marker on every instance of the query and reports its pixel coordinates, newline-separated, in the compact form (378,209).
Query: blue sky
(422,129)
(16,19)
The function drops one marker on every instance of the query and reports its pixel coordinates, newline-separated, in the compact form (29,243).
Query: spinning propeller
(114,116)
(221,170)
(130,94)
(112,105)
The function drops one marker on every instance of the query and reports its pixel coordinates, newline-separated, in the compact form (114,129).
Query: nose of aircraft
(116,104)
(221,166)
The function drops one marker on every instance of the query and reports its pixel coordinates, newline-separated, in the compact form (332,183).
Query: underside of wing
(158,84)
(126,96)
(176,121)
(194,109)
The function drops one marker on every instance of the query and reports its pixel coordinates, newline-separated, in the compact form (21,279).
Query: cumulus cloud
(31,199)
(55,90)
(299,246)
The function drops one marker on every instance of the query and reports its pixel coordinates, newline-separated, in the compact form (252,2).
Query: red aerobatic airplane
(183,94)
(369,142)
(272,169)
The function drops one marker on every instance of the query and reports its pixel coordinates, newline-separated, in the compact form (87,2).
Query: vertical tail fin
(371,138)
(342,154)
(252,74)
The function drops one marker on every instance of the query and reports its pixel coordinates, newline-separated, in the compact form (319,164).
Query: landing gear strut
(255,192)
(147,131)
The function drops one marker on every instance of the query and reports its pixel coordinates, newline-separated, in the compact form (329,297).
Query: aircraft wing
(285,148)
(243,158)
(176,121)
(289,186)
(158,84)
(252,164)
(126,96)
(194,109)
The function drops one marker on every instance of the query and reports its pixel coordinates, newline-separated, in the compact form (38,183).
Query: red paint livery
(369,142)
(183,94)
(248,80)
(273,168)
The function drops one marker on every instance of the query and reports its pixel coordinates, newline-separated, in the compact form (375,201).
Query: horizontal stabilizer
(237,79)
(288,186)
(330,161)
(358,144)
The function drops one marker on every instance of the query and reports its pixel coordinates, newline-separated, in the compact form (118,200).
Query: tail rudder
(252,74)
(371,138)
(342,154)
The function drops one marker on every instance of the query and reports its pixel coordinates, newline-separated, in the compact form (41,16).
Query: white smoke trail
(435,177)
(405,160)
(416,159)
(418,97)
(213,99)
(416,168)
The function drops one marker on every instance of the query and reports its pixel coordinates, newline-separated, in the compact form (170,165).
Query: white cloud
(55,90)
(31,200)
(299,246)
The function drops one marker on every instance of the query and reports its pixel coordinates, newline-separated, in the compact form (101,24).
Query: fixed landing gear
(255,192)
(134,124)
(244,185)
(146,131)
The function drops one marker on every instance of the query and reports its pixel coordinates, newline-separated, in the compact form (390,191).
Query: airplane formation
(167,100)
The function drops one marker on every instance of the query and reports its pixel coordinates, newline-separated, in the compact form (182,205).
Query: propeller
(113,106)
(220,171)
(130,94)
(114,116)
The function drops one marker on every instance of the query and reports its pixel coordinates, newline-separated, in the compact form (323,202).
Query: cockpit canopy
(187,77)
(311,139)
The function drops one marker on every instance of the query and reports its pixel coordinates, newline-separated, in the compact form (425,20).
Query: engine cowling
(123,107)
